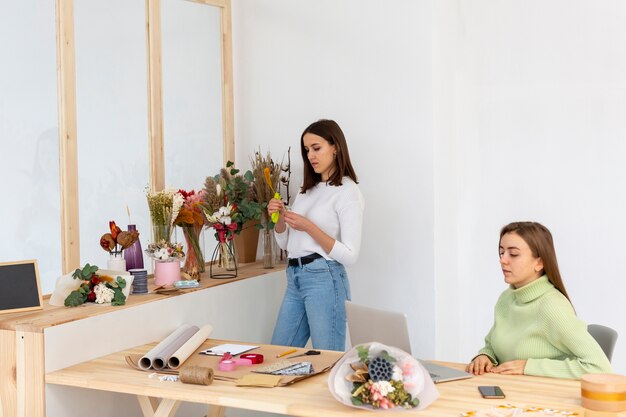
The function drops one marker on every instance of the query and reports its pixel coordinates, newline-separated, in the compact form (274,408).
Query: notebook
(367,324)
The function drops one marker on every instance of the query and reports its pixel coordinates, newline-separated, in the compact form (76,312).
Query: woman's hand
(277,206)
(479,365)
(510,368)
(298,222)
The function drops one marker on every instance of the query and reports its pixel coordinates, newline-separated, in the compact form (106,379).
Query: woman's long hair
(331,132)
(539,239)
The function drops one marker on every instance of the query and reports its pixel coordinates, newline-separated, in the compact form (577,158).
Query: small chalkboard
(19,287)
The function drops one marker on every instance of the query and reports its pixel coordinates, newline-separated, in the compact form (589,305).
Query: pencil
(287,352)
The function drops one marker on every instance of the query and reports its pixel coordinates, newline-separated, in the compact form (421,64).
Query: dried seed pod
(107,242)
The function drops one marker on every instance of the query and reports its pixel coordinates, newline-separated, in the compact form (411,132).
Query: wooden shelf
(37,321)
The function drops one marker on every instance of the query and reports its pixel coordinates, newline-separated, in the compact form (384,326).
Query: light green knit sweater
(537,323)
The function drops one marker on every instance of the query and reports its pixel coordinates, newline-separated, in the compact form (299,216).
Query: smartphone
(491,392)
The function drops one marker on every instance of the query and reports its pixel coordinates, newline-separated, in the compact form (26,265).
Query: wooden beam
(228,107)
(68,146)
(155,94)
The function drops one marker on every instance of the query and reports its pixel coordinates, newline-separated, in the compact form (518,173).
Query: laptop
(367,324)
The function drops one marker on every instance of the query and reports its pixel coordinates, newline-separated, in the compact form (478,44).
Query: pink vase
(165,273)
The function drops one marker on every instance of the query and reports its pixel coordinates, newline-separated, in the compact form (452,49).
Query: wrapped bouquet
(375,376)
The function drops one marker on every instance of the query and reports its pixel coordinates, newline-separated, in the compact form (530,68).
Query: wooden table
(307,398)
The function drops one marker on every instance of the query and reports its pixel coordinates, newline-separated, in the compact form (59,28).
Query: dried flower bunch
(190,213)
(117,240)
(380,381)
(164,207)
(266,177)
(96,288)
(165,251)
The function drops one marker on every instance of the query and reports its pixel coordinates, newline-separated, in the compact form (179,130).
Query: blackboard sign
(19,287)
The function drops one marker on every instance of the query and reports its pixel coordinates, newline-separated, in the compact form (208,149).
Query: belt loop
(300,262)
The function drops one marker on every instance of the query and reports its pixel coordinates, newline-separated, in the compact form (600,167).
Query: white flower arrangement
(222,215)
(104,294)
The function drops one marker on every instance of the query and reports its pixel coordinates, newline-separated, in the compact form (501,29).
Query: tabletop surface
(311,397)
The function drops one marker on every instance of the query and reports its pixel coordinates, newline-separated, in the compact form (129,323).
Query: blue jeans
(314,306)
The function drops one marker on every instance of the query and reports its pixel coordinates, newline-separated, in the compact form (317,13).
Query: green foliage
(385,355)
(118,297)
(76,298)
(240,192)
(356,401)
(363,354)
(121,282)
(85,273)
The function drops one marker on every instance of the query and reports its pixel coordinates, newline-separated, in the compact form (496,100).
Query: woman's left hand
(297,222)
(510,368)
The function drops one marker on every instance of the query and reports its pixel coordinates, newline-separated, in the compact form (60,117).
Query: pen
(287,352)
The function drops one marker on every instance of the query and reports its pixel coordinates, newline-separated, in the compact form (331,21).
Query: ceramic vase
(166,272)
(116,262)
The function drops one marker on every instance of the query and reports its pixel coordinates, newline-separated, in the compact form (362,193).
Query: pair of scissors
(307,353)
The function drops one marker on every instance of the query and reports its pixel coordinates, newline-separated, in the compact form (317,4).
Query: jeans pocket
(317,266)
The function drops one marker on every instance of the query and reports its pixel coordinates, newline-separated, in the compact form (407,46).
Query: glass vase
(269,259)
(194,261)
(134,254)
(223,263)
(161,232)
(116,262)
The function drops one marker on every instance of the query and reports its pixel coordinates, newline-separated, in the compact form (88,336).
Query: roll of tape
(227,365)
(254,357)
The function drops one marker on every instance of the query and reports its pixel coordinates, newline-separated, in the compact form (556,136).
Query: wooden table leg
(215,411)
(166,408)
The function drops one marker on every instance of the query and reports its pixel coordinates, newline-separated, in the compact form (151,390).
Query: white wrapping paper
(181,355)
(147,361)
(421,385)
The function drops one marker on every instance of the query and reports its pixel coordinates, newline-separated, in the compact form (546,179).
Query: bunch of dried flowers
(117,240)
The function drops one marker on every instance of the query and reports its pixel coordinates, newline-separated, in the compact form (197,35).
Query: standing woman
(536,331)
(322,233)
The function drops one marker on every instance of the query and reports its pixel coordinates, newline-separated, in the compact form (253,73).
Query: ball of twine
(199,375)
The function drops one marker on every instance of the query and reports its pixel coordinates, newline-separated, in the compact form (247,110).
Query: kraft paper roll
(146,362)
(181,355)
(161,359)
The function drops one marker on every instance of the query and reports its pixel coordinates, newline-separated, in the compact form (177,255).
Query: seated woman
(536,331)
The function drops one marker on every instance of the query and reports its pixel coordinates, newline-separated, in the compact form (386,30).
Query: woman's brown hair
(539,239)
(331,132)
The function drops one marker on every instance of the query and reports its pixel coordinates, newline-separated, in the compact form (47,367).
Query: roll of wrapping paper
(147,361)
(162,358)
(181,355)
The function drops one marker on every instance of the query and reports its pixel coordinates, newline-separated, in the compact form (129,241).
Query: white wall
(461,117)
(368,67)
(537,108)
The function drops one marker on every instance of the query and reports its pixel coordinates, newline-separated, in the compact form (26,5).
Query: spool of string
(199,375)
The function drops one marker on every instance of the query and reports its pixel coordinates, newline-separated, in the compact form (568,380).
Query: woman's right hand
(479,365)
(275,205)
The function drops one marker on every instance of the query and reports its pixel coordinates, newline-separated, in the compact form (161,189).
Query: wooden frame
(68,140)
(39,299)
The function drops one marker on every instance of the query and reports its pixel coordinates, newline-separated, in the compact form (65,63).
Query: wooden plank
(54,316)
(8,377)
(155,94)
(228,106)
(30,374)
(68,146)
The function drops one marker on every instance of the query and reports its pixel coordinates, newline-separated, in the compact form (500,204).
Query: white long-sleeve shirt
(336,210)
